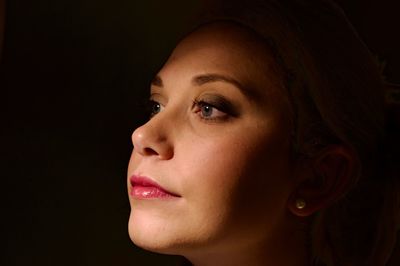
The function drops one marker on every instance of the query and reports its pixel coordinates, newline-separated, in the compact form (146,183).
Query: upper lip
(137,180)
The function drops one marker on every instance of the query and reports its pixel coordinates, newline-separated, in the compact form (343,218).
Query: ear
(323,180)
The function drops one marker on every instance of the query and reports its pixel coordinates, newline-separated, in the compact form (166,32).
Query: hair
(337,96)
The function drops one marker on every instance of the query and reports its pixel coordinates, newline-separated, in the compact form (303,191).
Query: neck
(289,249)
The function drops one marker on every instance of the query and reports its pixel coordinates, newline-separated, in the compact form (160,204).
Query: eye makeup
(214,107)
(210,107)
(219,102)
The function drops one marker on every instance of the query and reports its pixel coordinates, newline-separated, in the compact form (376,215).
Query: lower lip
(149,192)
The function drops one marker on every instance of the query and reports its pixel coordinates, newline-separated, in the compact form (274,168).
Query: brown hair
(337,96)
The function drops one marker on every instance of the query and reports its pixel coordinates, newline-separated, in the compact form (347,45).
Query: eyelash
(199,105)
(151,106)
(219,105)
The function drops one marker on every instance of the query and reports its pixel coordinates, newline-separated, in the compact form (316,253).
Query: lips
(145,188)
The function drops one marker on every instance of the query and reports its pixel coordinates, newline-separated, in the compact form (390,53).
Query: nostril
(150,151)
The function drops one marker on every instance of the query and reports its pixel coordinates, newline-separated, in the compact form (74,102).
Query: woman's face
(218,142)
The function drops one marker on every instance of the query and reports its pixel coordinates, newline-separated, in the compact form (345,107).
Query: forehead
(228,49)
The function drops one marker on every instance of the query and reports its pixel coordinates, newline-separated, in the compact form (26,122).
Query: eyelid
(151,108)
(158,97)
(219,102)
(221,110)
(216,114)
(155,98)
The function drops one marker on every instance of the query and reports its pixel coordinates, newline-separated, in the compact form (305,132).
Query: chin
(154,235)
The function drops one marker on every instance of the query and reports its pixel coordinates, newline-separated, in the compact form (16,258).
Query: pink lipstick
(145,188)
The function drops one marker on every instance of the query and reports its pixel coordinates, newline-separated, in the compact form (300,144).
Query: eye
(208,111)
(155,107)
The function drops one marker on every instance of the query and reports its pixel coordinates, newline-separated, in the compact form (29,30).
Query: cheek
(235,179)
(235,161)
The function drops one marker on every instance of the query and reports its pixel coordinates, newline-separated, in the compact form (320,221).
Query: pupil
(207,110)
(156,108)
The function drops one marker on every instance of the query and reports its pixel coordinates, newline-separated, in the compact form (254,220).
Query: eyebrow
(157,81)
(202,79)
(209,78)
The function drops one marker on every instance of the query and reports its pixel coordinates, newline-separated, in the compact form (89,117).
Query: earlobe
(299,207)
(325,180)
(302,208)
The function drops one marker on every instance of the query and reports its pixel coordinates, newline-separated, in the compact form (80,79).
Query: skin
(231,167)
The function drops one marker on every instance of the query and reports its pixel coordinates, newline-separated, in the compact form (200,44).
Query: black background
(73,73)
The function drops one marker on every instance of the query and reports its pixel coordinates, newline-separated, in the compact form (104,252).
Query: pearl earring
(300,204)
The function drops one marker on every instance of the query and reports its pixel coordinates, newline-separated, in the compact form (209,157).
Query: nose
(151,139)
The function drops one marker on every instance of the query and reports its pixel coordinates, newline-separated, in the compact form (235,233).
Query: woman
(265,142)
